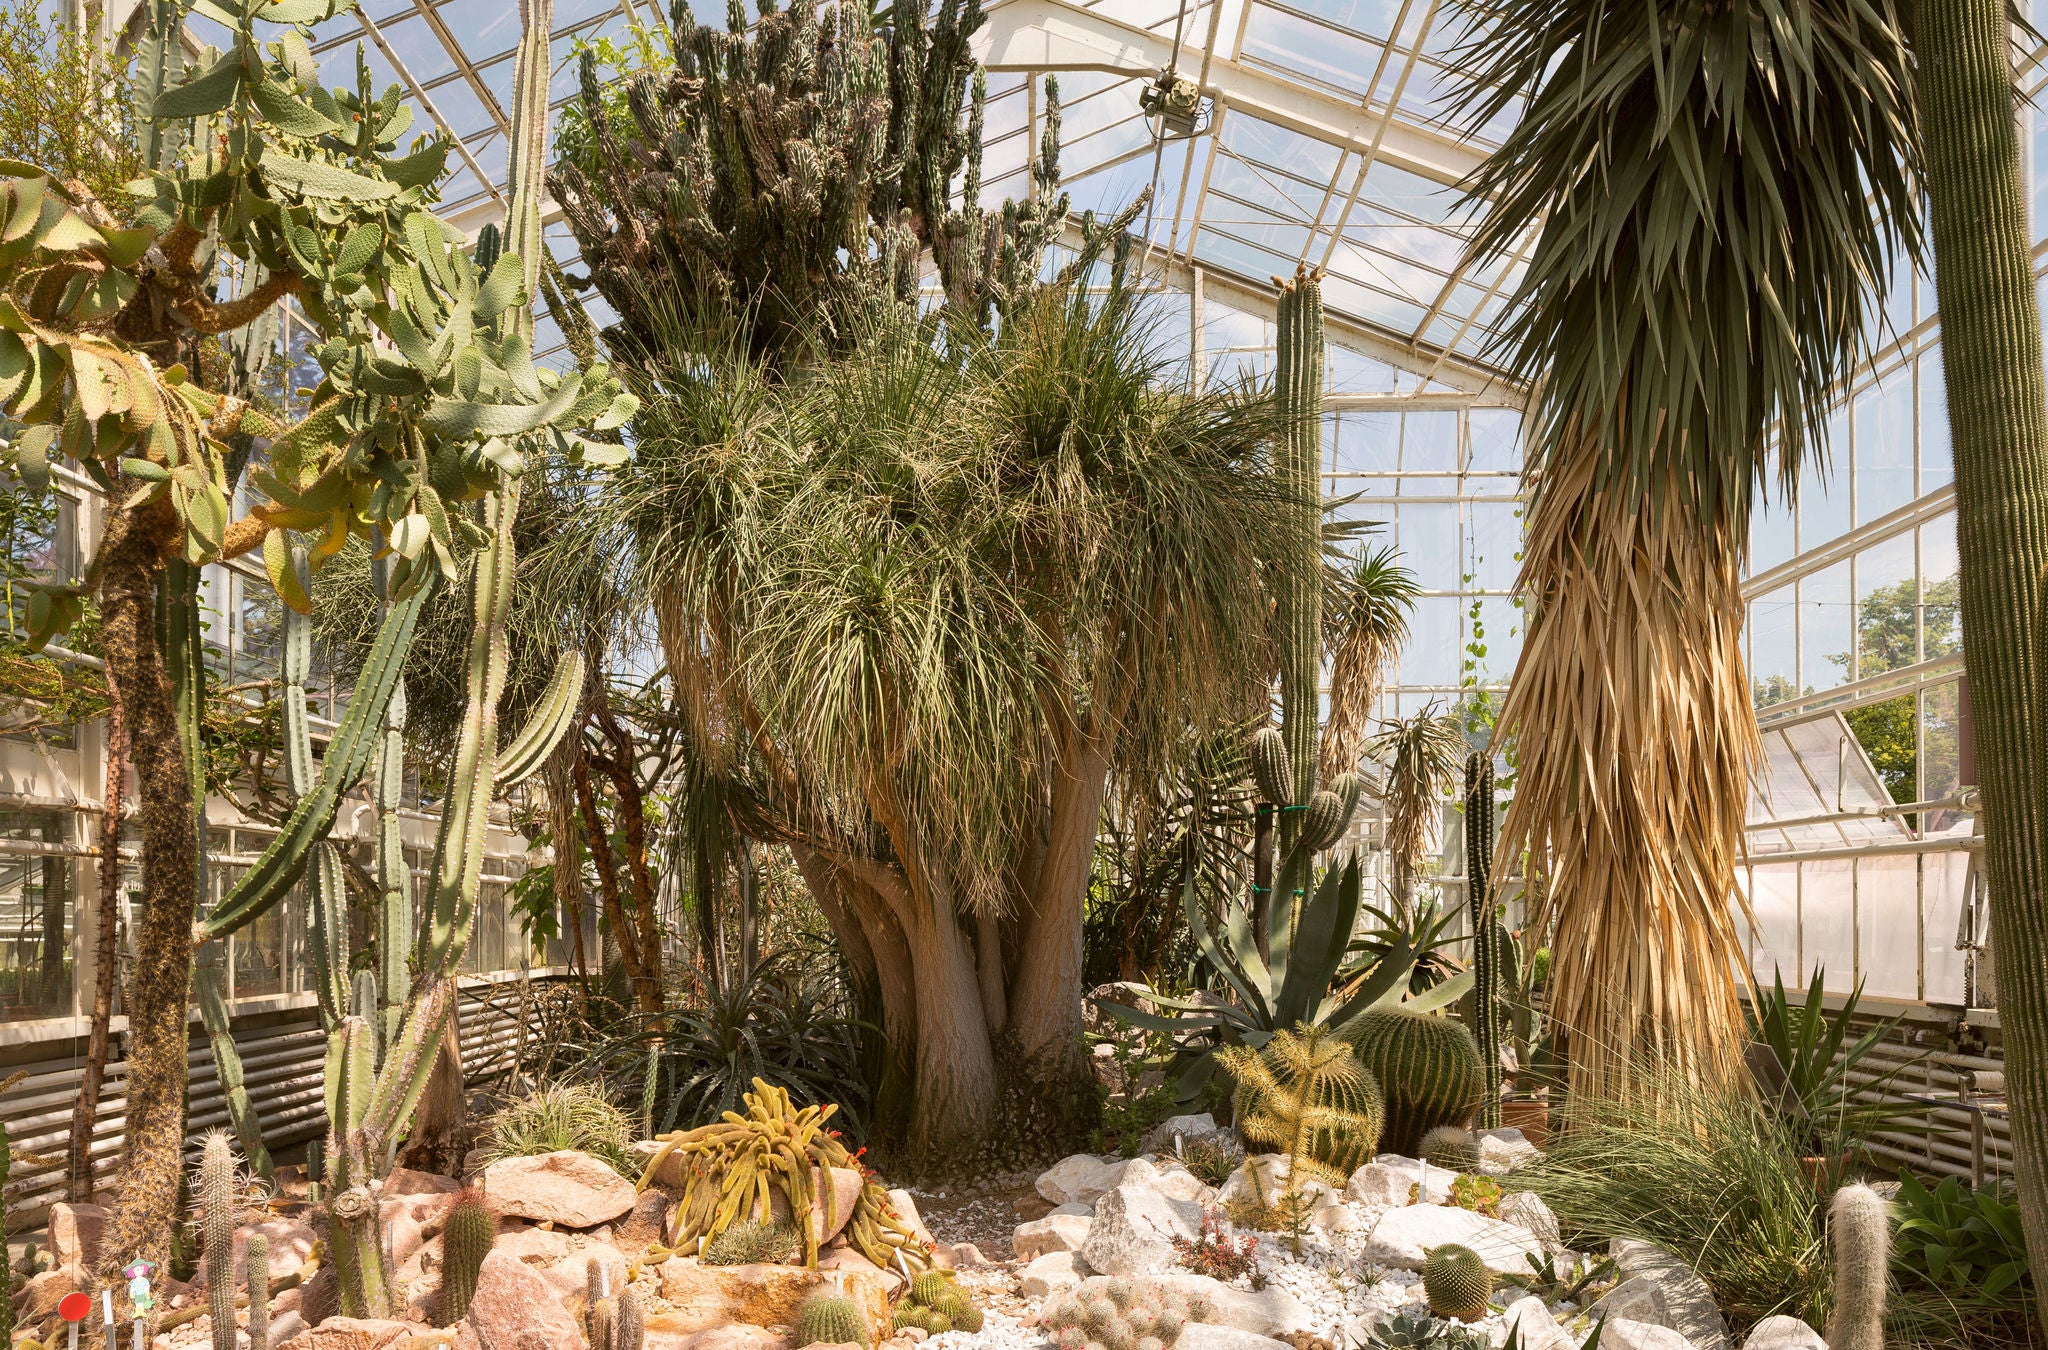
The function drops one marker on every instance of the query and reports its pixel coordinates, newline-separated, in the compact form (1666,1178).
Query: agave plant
(1804,1059)
(1295,980)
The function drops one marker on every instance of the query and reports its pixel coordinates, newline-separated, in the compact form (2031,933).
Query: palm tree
(1991,358)
(1421,755)
(921,608)
(1365,625)
(1697,290)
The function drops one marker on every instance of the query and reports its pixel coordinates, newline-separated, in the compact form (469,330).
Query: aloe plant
(1294,981)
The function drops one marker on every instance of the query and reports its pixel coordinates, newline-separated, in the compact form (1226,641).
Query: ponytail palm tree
(1421,754)
(1701,281)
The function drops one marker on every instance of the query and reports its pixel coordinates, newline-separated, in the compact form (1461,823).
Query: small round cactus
(831,1318)
(1097,1314)
(929,1287)
(1071,1338)
(1451,1148)
(1456,1282)
(1122,1291)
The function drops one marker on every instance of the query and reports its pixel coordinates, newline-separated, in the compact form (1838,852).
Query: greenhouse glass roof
(1321,139)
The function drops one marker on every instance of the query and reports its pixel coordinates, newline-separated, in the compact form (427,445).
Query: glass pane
(1937,466)
(1884,446)
(1940,759)
(1774,899)
(1429,442)
(1771,536)
(1774,647)
(1827,923)
(1368,442)
(1825,613)
(1941,616)
(1824,491)
(1887,916)
(1431,657)
(1887,596)
(1942,880)
(35,920)
(1495,544)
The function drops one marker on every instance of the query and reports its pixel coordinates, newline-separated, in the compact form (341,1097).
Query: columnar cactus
(1298,383)
(227,1066)
(216,1194)
(1487,936)
(6,1268)
(257,1267)
(1859,1227)
(1457,1283)
(1427,1067)
(465,1242)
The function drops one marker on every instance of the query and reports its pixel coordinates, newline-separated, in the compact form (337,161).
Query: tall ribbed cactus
(1991,358)
(465,1242)
(375,1099)
(257,1268)
(1298,384)
(216,1193)
(1860,1230)
(1427,1067)
(227,1066)
(1488,940)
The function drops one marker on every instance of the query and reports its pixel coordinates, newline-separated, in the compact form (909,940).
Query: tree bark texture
(1991,359)
(131,565)
(105,953)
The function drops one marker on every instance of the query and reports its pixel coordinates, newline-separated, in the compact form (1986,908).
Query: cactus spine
(1305,1095)
(1451,1148)
(610,1322)
(832,1318)
(472,1228)
(1428,1070)
(1457,1283)
(1859,1227)
(217,1234)
(1298,383)
(1486,931)
(258,1268)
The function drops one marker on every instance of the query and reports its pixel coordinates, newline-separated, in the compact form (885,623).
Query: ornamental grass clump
(571,1116)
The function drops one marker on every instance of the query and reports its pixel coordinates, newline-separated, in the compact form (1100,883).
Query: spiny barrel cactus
(465,1242)
(1427,1068)
(831,1318)
(1305,1095)
(216,1195)
(747,1241)
(1451,1148)
(1487,935)
(1126,1312)
(1859,1227)
(1457,1283)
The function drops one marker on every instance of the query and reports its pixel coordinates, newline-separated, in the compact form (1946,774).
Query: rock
(1259,1179)
(742,1336)
(1783,1333)
(1622,1333)
(835,1345)
(514,1309)
(906,1210)
(1402,1236)
(1186,1129)
(1334,1217)
(283,1327)
(1525,1209)
(405,1181)
(1134,1230)
(703,1297)
(353,1333)
(671,1173)
(846,1258)
(291,1242)
(1063,1230)
(1178,1183)
(847,1184)
(1672,1292)
(1271,1311)
(569,1187)
(75,1234)
(1505,1149)
(966,1256)
(1405,1173)
(647,1221)
(1084,1178)
(1207,1336)
(534,1246)
(39,1297)
(1536,1328)
(1052,1273)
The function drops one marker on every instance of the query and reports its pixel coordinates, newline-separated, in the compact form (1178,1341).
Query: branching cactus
(1860,1229)
(1487,936)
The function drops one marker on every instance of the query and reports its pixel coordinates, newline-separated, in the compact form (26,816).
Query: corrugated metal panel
(283,1060)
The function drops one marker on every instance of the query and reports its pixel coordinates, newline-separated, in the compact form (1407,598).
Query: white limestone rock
(1671,1291)
(1505,1149)
(1187,1129)
(1134,1231)
(1052,1273)
(1538,1329)
(1622,1333)
(1402,1237)
(1083,1178)
(1525,1209)
(1207,1336)
(1783,1333)
(1063,1230)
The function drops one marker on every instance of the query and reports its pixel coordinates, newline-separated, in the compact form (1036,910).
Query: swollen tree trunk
(131,563)
(1045,1003)
(105,953)
(1991,358)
